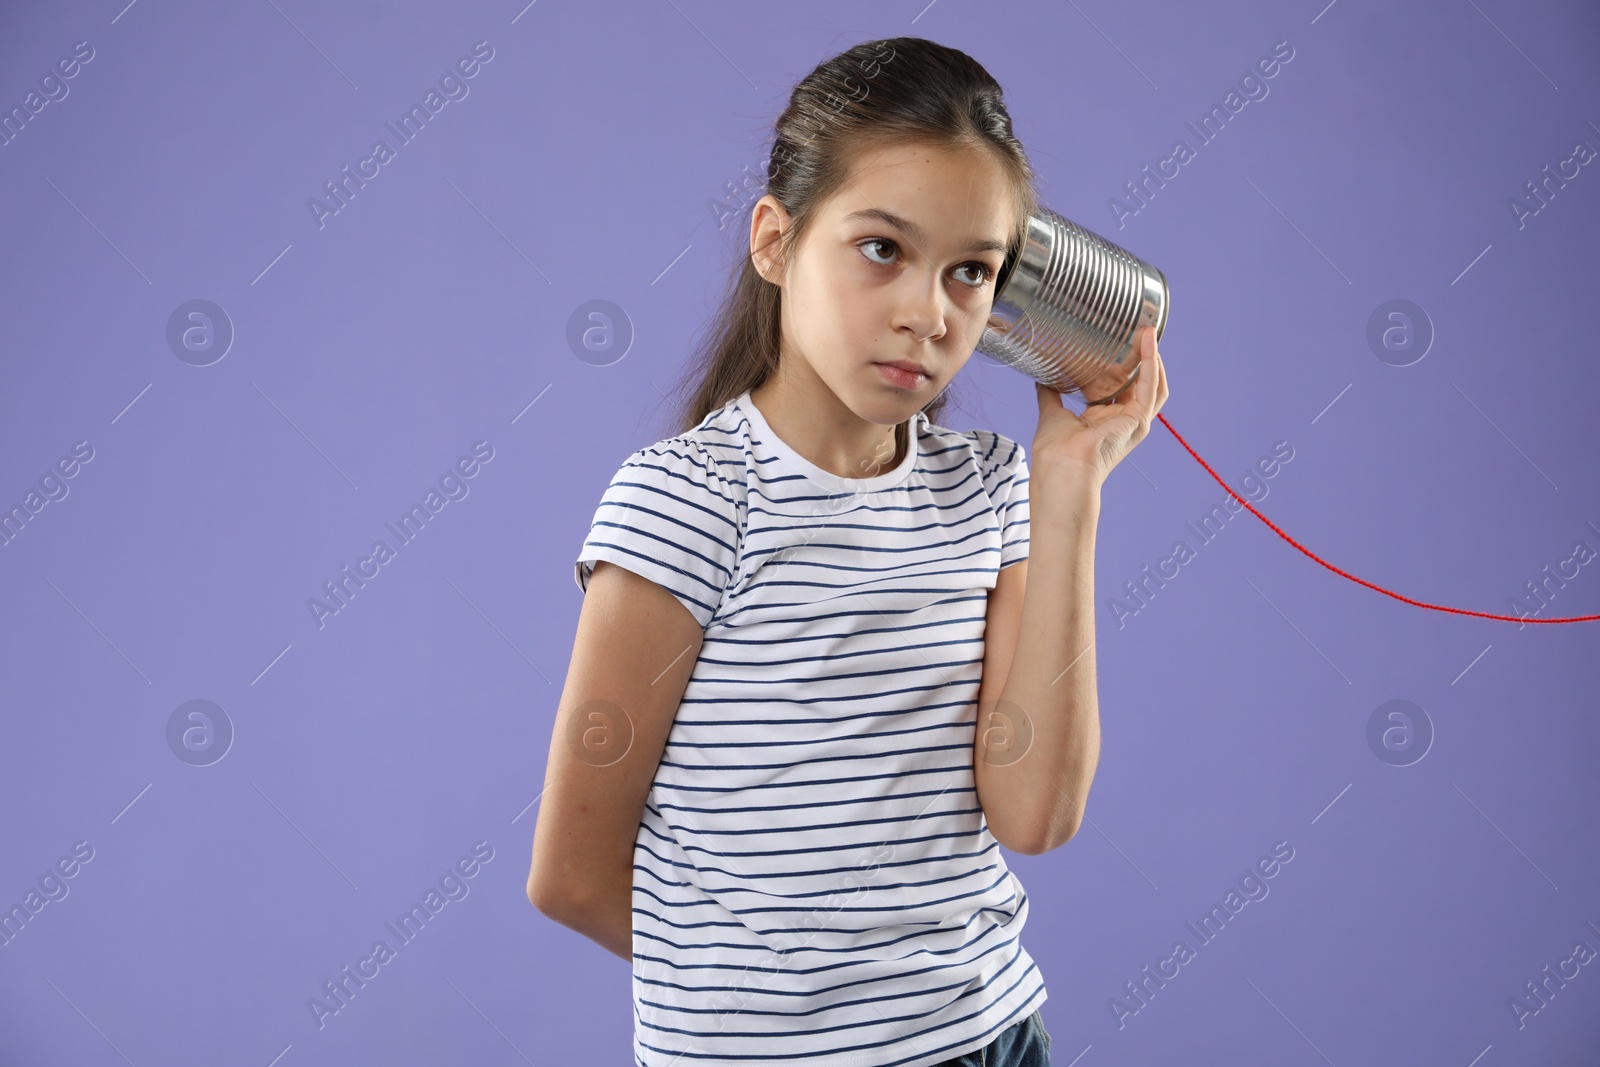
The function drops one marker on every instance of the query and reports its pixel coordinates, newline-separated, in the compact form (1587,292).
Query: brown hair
(895,90)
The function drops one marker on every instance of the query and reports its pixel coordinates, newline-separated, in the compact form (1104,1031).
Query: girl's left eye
(985,271)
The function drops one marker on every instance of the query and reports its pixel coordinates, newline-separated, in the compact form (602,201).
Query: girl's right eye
(875,241)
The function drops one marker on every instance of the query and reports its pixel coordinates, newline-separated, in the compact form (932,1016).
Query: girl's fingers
(1048,398)
(1161,391)
(1158,374)
(1149,373)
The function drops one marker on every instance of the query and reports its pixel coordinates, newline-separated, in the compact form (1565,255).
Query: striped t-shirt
(814,882)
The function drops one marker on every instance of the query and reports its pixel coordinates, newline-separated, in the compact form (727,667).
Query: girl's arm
(1038,740)
(1038,737)
(635,649)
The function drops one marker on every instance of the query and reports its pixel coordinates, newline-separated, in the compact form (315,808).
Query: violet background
(586,163)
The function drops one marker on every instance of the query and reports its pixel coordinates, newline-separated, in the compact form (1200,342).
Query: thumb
(1047,397)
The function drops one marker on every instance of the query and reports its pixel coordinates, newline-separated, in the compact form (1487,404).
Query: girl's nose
(922,313)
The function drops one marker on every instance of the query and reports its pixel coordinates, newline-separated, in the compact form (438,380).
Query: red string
(1353,578)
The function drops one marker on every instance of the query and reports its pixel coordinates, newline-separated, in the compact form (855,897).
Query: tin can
(1066,306)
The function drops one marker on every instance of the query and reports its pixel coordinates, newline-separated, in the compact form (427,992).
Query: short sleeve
(669,516)
(1004,463)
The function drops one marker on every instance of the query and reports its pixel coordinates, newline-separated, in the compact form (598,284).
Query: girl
(814,687)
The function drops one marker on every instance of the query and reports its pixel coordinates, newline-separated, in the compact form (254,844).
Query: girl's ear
(768,223)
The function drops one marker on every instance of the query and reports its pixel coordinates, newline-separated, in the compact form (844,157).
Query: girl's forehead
(911,161)
(936,178)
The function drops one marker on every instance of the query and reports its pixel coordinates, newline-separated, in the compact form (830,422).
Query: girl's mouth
(903,378)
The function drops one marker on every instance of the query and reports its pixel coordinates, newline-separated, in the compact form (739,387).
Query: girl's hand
(1091,444)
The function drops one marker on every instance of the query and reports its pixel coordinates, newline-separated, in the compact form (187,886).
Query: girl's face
(898,266)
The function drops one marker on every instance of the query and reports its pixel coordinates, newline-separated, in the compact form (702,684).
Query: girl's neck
(843,445)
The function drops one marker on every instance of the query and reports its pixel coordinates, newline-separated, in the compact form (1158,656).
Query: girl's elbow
(1059,838)
(542,901)
(1060,828)
(551,895)
(1030,841)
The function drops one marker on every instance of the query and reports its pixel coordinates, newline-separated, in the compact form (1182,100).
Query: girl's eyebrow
(915,232)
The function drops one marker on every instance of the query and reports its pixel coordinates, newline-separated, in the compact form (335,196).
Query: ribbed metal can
(1066,307)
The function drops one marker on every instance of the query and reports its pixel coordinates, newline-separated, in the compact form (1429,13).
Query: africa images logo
(453,485)
(1138,192)
(453,87)
(453,886)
